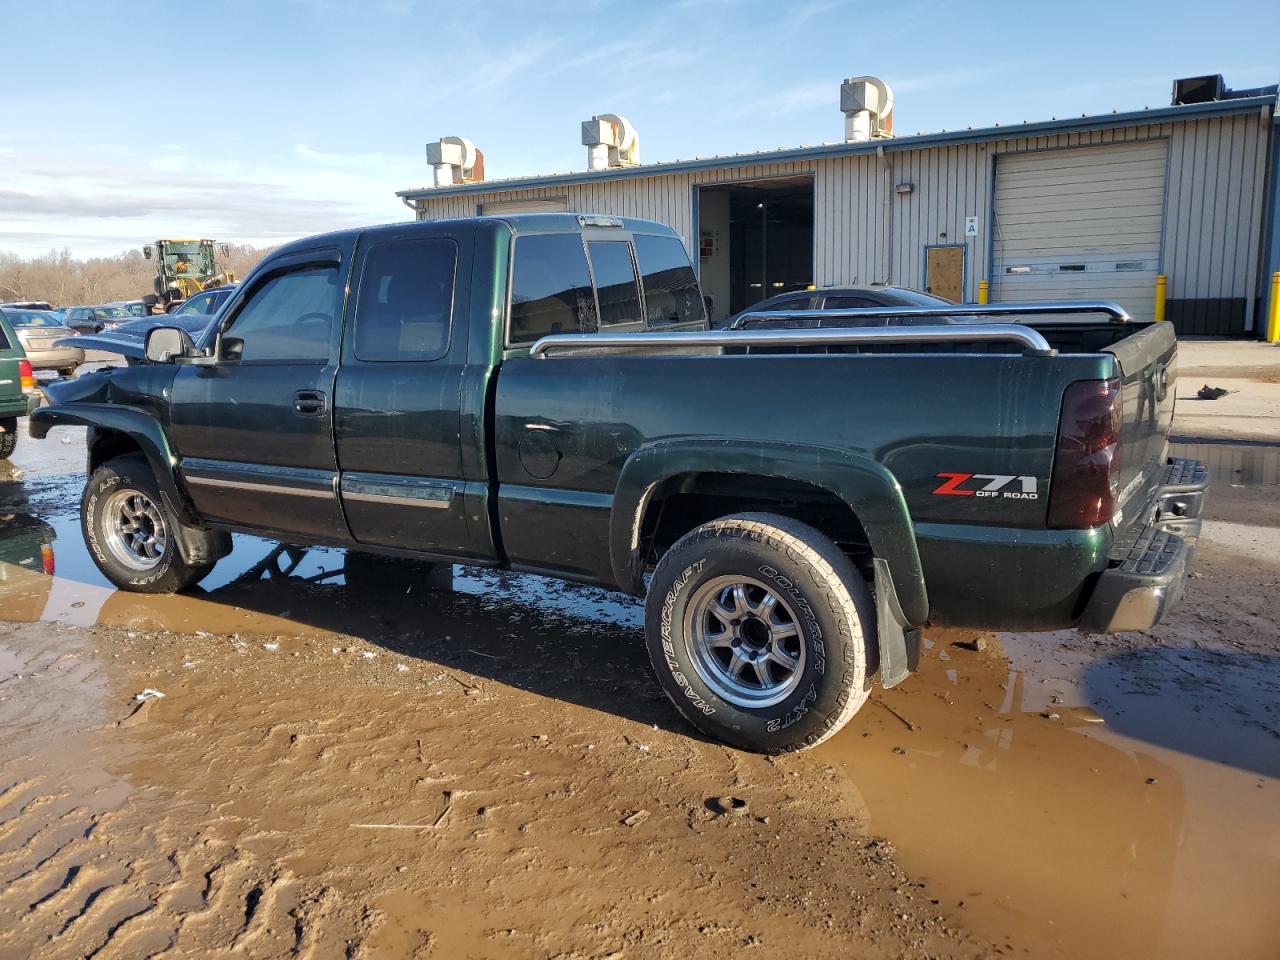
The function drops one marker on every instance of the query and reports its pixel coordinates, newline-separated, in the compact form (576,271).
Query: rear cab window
(550,288)
(671,294)
(617,287)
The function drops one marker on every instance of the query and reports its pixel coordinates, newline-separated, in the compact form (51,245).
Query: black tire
(8,441)
(169,572)
(68,371)
(824,599)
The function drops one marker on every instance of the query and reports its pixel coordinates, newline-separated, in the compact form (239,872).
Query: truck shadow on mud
(1222,706)
(577,644)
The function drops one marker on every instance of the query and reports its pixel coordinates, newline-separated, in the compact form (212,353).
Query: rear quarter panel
(577,419)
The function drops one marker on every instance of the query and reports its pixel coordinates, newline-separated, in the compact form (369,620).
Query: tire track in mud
(89,868)
(230,821)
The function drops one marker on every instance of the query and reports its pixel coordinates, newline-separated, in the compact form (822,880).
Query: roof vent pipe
(867,105)
(611,141)
(455,160)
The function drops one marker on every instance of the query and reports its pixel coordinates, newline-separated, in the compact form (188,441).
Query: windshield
(111,313)
(32,318)
(188,259)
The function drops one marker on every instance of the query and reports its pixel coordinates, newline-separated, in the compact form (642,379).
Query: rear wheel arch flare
(874,505)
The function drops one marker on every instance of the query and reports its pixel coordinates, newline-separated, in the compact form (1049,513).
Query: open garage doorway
(755,240)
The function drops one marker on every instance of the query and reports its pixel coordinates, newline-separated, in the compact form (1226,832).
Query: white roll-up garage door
(1077,223)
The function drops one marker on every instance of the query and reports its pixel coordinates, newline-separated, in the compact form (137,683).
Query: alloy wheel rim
(135,530)
(744,641)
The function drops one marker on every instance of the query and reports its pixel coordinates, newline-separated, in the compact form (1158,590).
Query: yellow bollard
(1162,287)
(982,291)
(1273,320)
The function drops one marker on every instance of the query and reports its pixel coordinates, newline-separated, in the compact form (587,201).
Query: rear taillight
(1086,464)
(25,374)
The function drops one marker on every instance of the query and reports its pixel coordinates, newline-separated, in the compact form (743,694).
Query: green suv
(17,386)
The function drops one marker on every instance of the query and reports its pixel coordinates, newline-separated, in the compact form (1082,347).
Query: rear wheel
(8,439)
(130,534)
(67,371)
(758,628)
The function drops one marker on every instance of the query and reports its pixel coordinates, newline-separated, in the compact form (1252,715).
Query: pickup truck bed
(541,393)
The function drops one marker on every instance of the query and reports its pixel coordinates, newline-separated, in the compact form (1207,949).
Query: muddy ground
(348,762)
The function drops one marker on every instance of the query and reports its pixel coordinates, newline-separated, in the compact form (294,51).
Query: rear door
(254,428)
(10,379)
(398,392)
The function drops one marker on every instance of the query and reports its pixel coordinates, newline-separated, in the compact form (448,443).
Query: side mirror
(167,344)
(146,252)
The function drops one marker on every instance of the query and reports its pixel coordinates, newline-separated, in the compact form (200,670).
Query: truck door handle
(309,403)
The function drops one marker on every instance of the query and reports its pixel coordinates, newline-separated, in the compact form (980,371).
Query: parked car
(457,391)
(40,332)
(18,395)
(192,316)
(137,308)
(96,319)
(842,298)
(26,305)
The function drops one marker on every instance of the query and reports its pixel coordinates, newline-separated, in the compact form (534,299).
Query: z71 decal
(986,485)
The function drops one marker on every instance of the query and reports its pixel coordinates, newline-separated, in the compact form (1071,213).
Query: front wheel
(129,532)
(758,627)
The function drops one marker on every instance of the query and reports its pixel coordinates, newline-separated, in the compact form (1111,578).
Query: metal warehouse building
(1090,207)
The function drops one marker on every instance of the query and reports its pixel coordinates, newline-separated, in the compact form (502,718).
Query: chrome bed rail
(1053,308)
(963,331)
(1032,342)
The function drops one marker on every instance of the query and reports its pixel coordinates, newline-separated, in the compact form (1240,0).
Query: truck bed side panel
(565,427)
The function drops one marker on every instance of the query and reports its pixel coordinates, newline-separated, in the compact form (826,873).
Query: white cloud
(106,204)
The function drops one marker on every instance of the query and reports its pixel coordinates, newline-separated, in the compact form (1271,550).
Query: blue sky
(294,116)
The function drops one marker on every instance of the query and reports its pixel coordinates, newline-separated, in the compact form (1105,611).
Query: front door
(254,428)
(397,406)
(944,272)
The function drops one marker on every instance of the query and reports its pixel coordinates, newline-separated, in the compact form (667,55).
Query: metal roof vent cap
(611,141)
(455,160)
(867,105)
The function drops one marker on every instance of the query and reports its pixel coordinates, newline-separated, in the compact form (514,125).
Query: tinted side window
(551,288)
(290,316)
(615,282)
(670,288)
(847,303)
(4,339)
(406,300)
(197,304)
(852,303)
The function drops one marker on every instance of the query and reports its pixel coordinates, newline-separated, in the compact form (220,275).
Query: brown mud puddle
(490,771)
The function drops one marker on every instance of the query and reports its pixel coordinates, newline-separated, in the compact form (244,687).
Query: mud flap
(899,643)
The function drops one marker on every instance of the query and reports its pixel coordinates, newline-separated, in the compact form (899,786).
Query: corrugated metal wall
(1212,225)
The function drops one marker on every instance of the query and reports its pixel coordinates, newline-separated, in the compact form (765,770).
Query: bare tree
(62,280)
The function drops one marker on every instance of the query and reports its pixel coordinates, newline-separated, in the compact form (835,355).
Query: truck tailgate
(1148,368)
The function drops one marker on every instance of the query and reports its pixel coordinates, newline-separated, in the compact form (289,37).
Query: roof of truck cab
(517,222)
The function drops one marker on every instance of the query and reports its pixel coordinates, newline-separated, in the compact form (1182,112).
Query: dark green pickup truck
(540,393)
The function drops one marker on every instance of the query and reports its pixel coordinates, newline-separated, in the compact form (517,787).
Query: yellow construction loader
(183,267)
